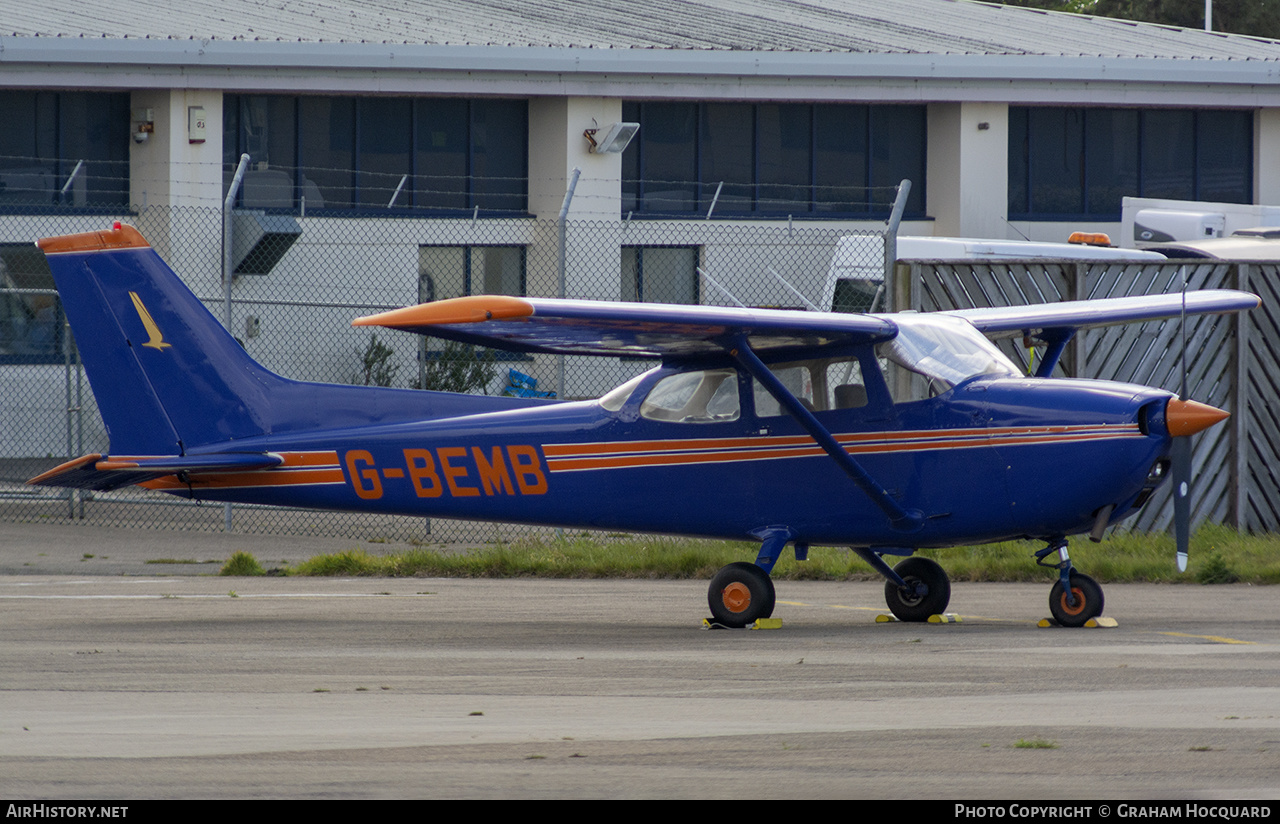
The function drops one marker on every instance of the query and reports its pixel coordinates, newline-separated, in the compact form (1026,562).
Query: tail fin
(168,377)
(143,337)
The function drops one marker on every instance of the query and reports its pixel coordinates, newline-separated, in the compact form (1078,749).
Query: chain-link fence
(300,280)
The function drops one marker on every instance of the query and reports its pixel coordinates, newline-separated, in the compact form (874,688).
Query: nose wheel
(740,594)
(1075,597)
(1085,601)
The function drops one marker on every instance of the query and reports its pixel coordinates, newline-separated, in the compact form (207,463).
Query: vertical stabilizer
(165,373)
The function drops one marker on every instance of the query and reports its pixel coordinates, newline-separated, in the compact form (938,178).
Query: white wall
(557,146)
(1266,158)
(968,169)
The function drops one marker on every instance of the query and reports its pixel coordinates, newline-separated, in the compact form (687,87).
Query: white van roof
(914,248)
(1261,244)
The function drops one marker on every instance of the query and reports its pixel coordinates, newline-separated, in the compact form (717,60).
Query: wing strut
(903,520)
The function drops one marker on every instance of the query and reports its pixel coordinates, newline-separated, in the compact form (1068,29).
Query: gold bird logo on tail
(157,339)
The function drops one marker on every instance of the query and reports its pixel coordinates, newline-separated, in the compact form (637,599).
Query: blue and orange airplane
(882,433)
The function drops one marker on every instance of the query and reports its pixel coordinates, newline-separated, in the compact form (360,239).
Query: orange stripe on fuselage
(578,457)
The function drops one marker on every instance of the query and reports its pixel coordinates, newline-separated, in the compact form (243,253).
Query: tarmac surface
(122,679)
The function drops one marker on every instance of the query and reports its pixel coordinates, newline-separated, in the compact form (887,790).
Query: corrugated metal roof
(952,27)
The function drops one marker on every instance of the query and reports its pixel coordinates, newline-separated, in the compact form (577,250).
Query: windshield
(616,397)
(945,350)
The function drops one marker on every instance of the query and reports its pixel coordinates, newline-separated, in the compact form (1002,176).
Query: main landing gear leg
(742,593)
(1075,597)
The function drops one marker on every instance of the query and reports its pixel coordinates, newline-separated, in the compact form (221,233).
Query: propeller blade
(1181,458)
(1180,414)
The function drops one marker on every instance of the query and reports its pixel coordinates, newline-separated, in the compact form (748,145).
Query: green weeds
(1218,555)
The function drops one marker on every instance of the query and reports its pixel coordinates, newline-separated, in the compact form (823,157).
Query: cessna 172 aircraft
(882,433)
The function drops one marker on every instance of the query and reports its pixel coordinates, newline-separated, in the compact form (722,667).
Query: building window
(660,274)
(30,313)
(379,154)
(456,271)
(64,150)
(772,159)
(1075,163)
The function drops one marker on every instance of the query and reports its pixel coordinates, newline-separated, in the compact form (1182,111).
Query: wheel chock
(1093,623)
(760,623)
(943,618)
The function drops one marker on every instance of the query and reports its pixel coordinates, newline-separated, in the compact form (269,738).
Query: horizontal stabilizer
(101,473)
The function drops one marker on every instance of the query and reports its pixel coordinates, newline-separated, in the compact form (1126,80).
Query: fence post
(1240,408)
(891,242)
(564,221)
(226,275)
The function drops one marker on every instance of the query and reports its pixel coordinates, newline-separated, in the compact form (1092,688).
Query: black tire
(740,594)
(1089,600)
(908,606)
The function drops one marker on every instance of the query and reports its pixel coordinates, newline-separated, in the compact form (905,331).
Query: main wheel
(911,605)
(1088,597)
(740,593)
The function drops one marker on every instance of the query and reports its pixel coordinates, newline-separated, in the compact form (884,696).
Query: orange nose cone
(1189,417)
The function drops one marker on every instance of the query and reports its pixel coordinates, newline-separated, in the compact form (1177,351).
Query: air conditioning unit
(259,240)
(1164,225)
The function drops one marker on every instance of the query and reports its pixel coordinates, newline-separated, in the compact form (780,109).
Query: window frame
(874,148)
(24,294)
(476,197)
(61,122)
(1023,158)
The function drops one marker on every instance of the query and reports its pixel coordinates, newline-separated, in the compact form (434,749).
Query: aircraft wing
(584,327)
(1011,321)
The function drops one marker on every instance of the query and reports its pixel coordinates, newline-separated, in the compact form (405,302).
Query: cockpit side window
(820,384)
(705,396)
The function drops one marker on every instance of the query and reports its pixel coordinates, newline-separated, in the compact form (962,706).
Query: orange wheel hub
(1080,603)
(736,597)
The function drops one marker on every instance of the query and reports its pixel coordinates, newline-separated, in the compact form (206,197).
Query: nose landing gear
(1075,597)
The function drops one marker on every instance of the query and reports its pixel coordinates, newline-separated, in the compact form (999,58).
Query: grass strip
(1218,555)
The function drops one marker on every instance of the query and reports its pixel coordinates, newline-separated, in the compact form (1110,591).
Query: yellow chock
(945,618)
(760,623)
(1092,623)
(884,618)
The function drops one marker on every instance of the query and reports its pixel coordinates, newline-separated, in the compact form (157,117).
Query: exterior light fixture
(615,139)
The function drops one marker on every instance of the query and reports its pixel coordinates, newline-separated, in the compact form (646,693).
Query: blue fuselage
(990,459)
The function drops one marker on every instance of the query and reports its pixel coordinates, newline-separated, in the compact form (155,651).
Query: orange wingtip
(1189,417)
(474,309)
(119,236)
